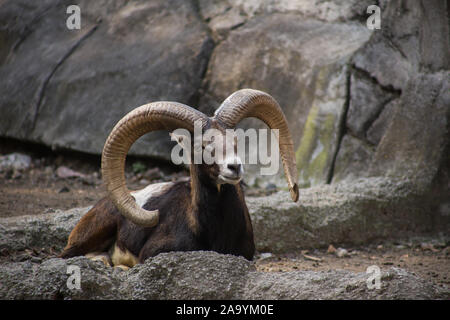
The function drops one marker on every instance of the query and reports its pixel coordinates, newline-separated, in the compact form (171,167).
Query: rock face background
(359,102)
(369,112)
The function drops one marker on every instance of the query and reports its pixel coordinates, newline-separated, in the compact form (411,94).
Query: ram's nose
(236,168)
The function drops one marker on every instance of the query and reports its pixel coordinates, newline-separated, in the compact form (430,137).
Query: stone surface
(404,95)
(303,64)
(415,143)
(392,54)
(68,88)
(14,161)
(346,213)
(330,11)
(353,159)
(367,100)
(46,230)
(201,275)
(379,127)
(331,75)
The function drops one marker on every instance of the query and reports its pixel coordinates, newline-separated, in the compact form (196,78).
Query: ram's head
(170,116)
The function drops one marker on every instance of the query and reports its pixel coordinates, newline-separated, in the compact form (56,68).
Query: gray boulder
(49,230)
(353,159)
(332,76)
(328,10)
(379,126)
(201,275)
(14,161)
(399,99)
(68,88)
(415,143)
(349,212)
(367,100)
(303,64)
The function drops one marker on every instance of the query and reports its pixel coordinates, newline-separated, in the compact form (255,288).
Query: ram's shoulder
(156,190)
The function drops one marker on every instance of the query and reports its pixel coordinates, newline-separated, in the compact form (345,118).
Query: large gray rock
(350,212)
(380,125)
(415,144)
(68,88)
(331,75)
(201,275)
(353,159)
(303,64)
(367,100)
(14,161)
(49,230)
(73,86)
(407,42)
(328,10)
(399,97)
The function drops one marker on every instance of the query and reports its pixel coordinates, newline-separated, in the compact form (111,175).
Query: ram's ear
(182,137)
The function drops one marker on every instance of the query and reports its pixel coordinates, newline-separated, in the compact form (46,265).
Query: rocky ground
(202,275)
(51,182)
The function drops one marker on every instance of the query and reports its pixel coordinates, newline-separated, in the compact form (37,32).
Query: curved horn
(144,119)
(247,103)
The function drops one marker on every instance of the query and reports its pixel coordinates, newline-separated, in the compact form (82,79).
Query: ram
(206,211)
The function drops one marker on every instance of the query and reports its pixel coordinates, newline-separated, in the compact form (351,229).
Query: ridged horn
(248,103)
(150,117)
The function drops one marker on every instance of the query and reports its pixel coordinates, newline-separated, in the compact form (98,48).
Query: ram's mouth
(230,180)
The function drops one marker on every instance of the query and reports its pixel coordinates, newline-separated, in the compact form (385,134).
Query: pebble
(15,161)
(64,189)
(331,249)
(341,252)
(307,257)
(36,259)
(265,255)
(65,172)
(428,246)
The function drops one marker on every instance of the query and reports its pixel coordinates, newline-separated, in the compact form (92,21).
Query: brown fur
(94,231)
(222,220)
(197,214)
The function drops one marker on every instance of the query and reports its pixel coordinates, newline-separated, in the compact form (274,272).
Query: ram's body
(221,224)
(206,212)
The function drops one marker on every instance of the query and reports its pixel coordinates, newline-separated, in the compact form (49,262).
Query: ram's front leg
(122,258)
(160,242)
(100,256)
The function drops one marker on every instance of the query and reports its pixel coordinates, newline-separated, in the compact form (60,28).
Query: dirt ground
(48,184)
